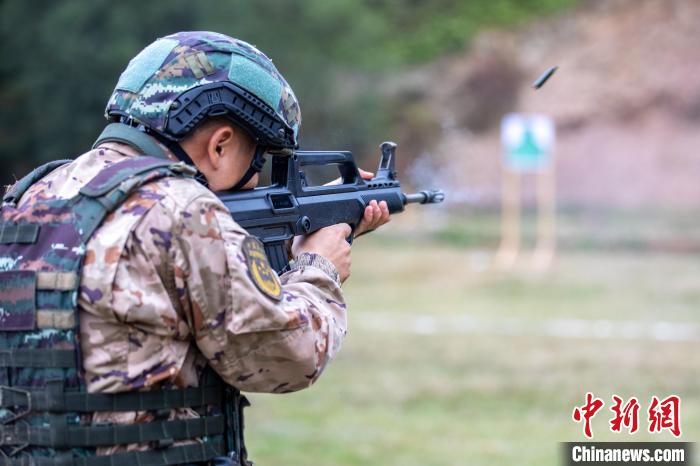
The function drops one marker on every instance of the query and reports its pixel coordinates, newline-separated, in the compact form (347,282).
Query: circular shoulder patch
(259,269)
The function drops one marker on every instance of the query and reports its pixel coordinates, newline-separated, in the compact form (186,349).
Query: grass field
(450,362)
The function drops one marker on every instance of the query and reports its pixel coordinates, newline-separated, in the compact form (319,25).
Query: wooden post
(510,220)
(546,218)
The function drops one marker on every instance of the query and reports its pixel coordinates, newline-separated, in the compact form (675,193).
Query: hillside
(626,102)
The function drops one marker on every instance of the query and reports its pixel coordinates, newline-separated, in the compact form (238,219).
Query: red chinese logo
(665,414)
(586,413)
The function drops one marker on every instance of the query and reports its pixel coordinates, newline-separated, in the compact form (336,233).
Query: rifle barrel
(434,196)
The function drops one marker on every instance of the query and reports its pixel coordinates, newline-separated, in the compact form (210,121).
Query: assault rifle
(290,207)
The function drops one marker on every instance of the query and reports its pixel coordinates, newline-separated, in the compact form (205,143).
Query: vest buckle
(12,397)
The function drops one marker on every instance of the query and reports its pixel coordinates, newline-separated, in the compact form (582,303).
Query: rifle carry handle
(344,159)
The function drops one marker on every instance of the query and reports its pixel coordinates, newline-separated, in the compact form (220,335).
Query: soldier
(124,258)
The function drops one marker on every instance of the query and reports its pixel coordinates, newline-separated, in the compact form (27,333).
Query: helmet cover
(160,74)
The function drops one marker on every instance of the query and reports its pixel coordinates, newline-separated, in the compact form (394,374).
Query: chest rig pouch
(45,410)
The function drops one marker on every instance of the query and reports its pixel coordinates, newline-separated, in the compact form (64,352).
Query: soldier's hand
(376,214)
(330,243)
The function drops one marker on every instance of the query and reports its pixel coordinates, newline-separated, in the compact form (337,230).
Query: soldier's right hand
(330,243)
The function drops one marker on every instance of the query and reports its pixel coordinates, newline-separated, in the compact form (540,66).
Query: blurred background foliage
(59,60)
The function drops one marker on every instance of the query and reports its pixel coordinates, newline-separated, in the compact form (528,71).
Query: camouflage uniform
(166,290)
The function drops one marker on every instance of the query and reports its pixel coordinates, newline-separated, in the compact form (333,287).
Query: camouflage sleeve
(258,332)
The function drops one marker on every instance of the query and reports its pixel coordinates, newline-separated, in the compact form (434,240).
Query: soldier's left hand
(376,214)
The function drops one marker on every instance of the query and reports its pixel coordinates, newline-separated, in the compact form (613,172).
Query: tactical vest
(45,410)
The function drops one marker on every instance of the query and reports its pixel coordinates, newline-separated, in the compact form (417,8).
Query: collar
(140,142)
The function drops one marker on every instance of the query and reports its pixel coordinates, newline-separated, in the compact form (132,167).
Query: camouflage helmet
(181,79)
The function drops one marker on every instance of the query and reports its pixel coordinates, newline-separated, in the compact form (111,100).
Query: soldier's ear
(220,144)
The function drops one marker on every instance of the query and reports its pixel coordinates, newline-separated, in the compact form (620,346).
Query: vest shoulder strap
(134,169)
(19,188)
(125,134)
(111,187)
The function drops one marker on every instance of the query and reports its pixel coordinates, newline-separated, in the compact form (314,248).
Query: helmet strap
(256,165)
